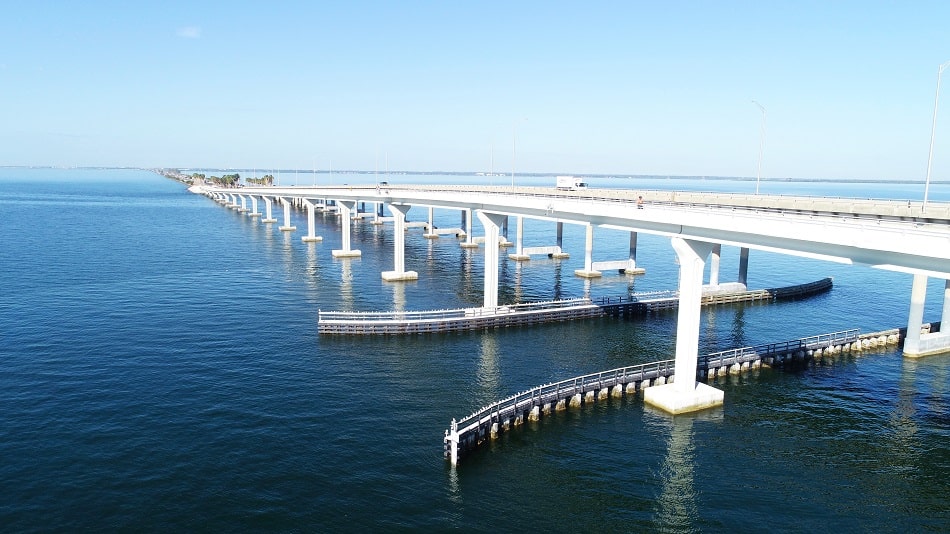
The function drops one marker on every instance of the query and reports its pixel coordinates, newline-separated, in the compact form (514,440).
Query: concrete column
(714,264)
(686,394)
(399,272)
(915,318)
(519,254)
(243,208)
(254,212)
(945,313)
(492,222)
(430,231)
(467,227)
(287,226)
(743,266)
(588,270)
(560,236)
(270,216)
(311,236)
(347,207)
(633,249)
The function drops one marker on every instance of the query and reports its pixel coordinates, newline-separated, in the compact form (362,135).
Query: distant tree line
(267,179)
(227,180)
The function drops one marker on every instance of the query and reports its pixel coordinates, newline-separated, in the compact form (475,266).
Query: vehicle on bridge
(570,183)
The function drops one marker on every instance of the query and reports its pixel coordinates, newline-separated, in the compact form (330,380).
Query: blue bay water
(160,369)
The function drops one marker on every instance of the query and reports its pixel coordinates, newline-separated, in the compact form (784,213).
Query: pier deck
(452,320)
(489,421)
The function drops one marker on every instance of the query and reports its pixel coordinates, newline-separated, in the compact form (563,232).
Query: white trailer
(570,183)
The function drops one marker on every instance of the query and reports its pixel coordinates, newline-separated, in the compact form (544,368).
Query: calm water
(160,370)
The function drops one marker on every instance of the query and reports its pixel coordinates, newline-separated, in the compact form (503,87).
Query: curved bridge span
(894,235)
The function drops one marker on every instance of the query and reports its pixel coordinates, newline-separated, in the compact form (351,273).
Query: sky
(617,88)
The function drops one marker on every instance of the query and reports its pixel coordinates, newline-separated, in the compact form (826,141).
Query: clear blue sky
(587,87)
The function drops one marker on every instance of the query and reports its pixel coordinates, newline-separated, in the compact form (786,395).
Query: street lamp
(933,130)
(758,171)
(513,128)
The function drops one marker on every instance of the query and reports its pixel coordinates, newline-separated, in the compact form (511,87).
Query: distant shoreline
(531,174)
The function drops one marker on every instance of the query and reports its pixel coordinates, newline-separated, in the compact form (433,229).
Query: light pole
(513,128)
(933,130)
(758,171)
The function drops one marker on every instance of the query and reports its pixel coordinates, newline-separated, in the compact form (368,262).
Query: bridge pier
(269,211)
(714,257)
(917,344)
(399,272)
(311,236)
(686,394)
(346,208)
(492,223)
(467,226)
(287,227)
(743,266)
(254,212)
(588,270)
(519,254)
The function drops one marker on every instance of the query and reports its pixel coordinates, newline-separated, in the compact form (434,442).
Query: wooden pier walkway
(452,320)
(490,421)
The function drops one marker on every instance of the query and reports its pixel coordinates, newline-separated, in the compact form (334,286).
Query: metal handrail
(571,386)
(456,313)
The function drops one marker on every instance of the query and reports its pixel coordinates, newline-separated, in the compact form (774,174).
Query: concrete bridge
(894,235)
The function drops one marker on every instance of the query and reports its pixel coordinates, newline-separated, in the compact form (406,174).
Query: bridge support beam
(287,227)
(254,212)
(588,270)
(311,236)
(492,223)
(685,394)
(917,344)
(347,207)
(399,272)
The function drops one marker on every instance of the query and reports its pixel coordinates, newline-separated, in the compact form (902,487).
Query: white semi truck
(570,183)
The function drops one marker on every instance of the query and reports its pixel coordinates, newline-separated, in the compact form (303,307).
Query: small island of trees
(227,180)
(267,179)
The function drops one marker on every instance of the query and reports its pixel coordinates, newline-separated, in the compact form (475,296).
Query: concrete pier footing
(583,273)
(673,398)
(340,253)
(395,276)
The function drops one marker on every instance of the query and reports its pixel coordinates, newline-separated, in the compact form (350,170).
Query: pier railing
(564,389)
(456,313)
(467,432)
(739,355)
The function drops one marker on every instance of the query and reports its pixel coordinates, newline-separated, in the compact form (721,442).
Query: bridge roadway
(895,235)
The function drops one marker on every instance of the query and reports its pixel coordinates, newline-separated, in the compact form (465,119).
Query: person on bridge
(640,202)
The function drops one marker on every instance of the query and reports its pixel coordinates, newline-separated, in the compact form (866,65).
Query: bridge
(901,236)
